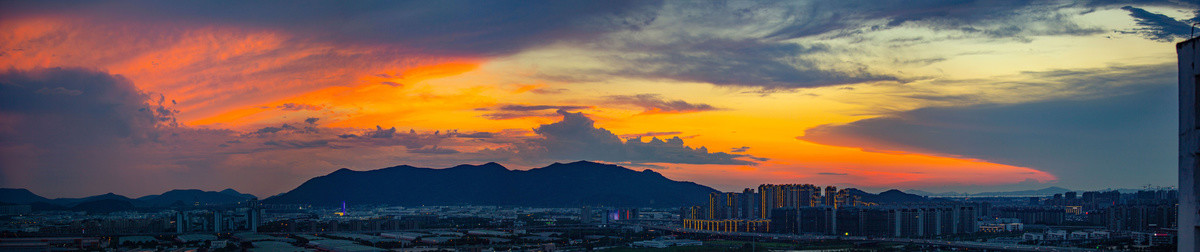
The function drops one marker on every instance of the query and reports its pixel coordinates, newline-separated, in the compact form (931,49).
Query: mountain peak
(19,196)
(1055,188)
(584,165)
(571,184)
(343,171)
(490,166)
(584,162)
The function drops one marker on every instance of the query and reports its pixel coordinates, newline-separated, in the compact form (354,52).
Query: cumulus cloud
(650,134)
(655,104)
(74,107)
(577,138)
(72,126)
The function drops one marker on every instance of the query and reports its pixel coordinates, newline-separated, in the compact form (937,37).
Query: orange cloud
(527,88)
(212,71)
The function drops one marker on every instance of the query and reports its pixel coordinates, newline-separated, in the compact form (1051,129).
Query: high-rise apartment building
(1189,144)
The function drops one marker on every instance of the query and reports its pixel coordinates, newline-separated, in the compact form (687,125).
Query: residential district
(770,217)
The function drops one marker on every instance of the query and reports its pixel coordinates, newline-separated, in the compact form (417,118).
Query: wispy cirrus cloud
(515,111)
(1070,138)
(448,27)
(656,104)
(1160,27)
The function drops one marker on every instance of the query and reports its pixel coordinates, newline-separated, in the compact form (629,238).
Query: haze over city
(138,98)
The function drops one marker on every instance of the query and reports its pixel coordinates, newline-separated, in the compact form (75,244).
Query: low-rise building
(1079,235)
(481,232)
(406,236)
(665,243)
(1056,235)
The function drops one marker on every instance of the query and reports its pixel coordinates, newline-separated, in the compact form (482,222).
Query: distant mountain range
(888,197)
(1048,191)
(565,185)
(110,202)
(568,185)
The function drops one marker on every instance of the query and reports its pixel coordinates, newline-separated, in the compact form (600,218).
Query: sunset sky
(140,97)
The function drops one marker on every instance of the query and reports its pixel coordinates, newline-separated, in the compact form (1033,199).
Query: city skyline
(137,98)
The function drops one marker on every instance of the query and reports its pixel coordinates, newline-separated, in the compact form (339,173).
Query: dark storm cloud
(62,126)
(440,27)
(1159,27)
(577,138)
(654,103)
(1110,140)
(77,107)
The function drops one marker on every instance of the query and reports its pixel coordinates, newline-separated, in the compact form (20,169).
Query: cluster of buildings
(1063,235)
(750,204)
(602,215)
(219,220)
(807,209)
